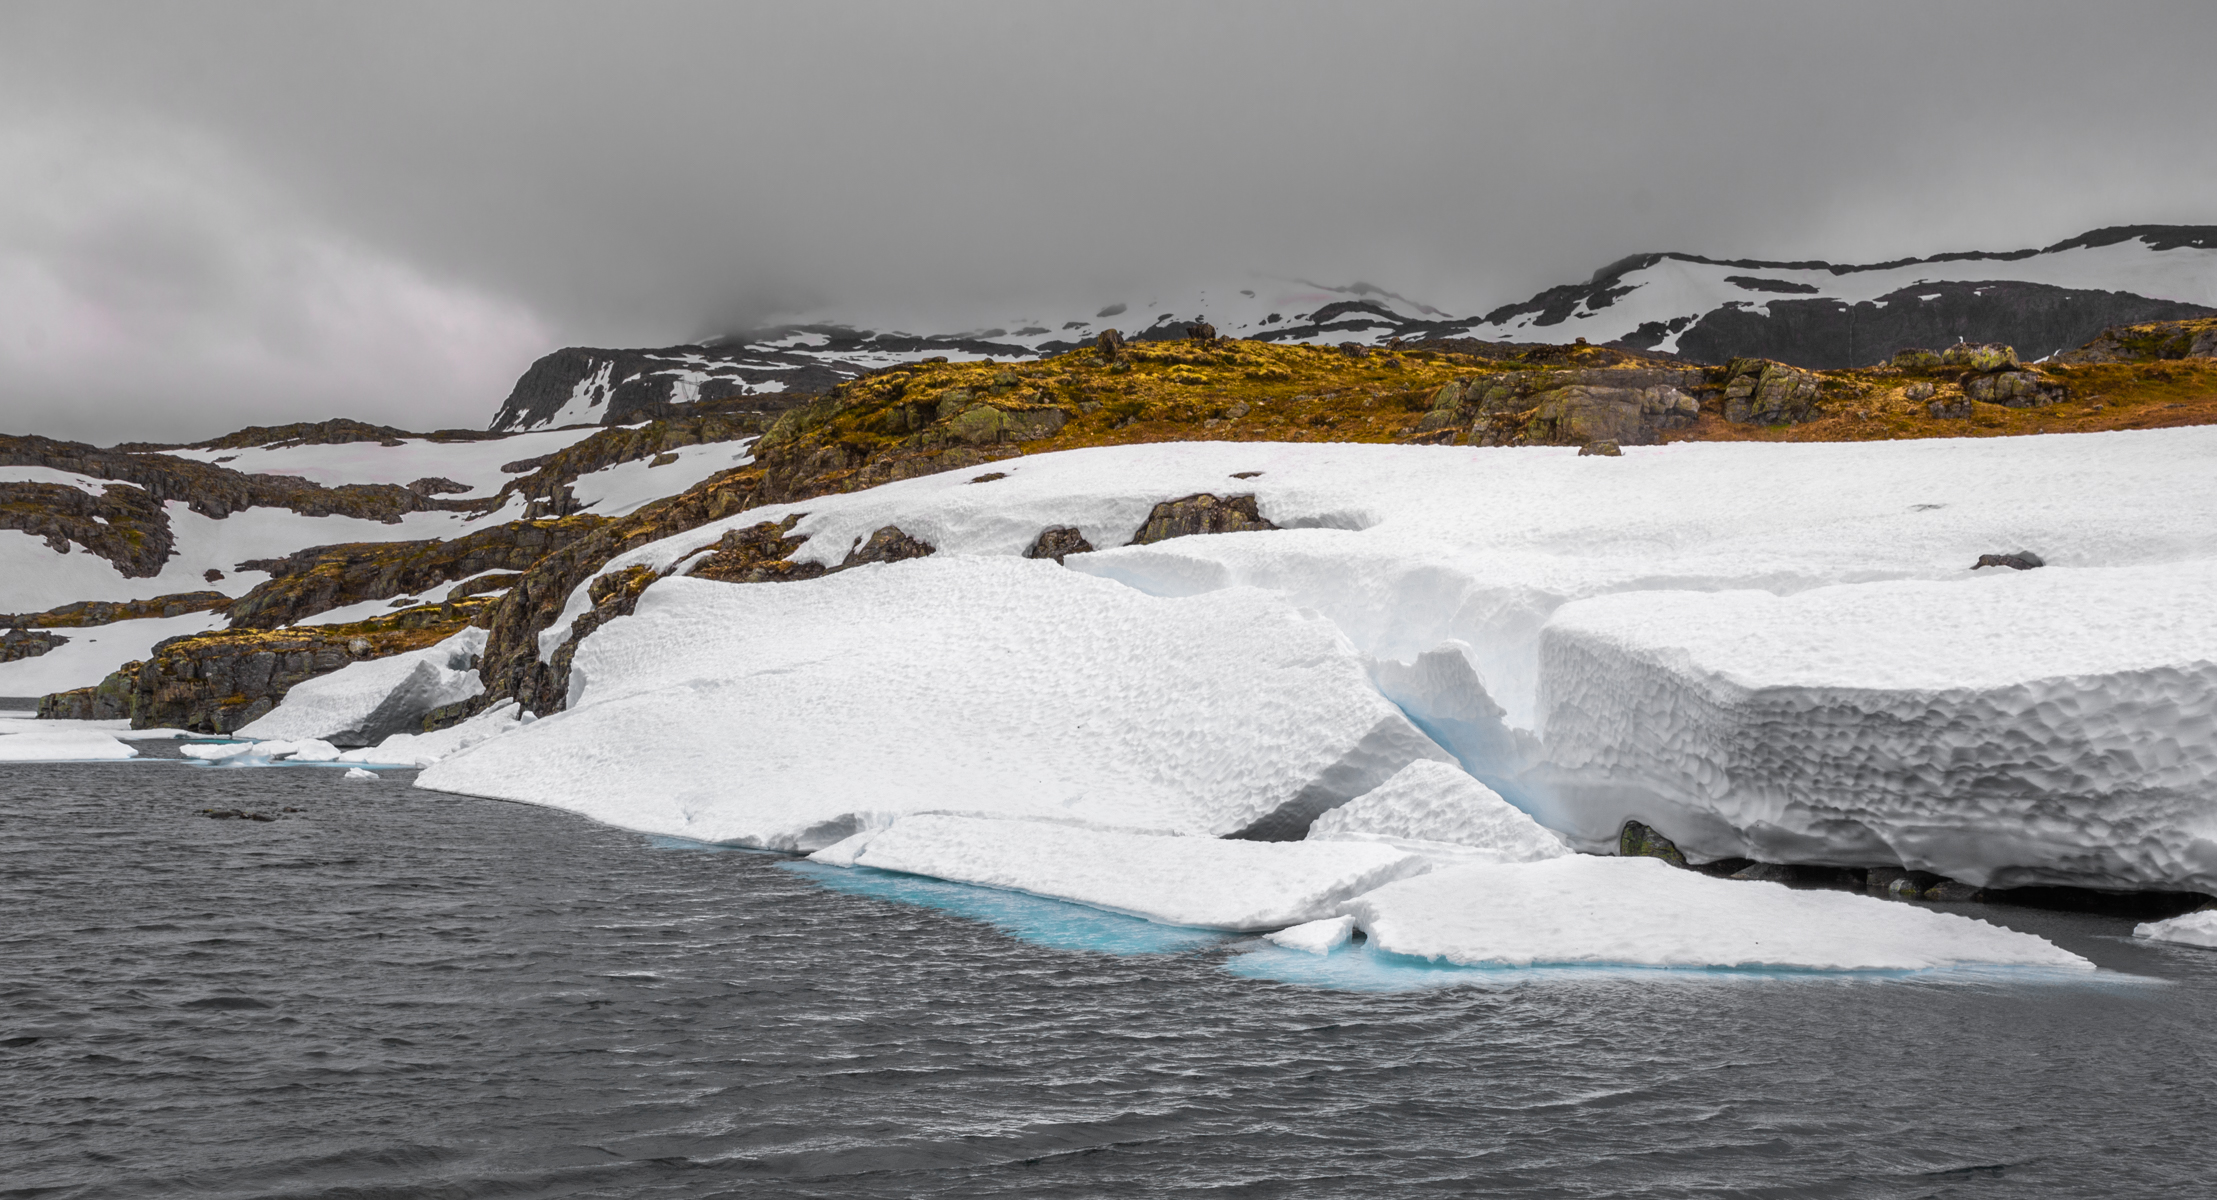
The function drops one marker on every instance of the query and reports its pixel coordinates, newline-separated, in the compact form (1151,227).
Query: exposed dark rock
(1201,331)
(1245,474)
(1201,513)
(212,575)
(321,578)
(106,612)
(756,554)
(437,485)
(124,524)
(1603,449)
(1354,349)
(1917,360)
(1636,840)
(1956,409)
(1766,872)
(1824,334)
(886,545)
(1110,343)
(481,584)
(18,644)
(2154,341)
(218,682)
(2022,560)
(990,476)
(1058,542)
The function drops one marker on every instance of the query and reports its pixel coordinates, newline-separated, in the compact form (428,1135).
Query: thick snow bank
(788,716)
(363,703)
(1436,802)
(58,741)
(95,651)
(2050,726)
(1642,912)
(1406,548)
(2193,929)
(1212,883)
(1316,937)
(626,487)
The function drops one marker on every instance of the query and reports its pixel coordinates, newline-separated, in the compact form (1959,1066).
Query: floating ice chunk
(423,749)
(223,751)
(2192,929)
(1212,883)
(262,754)
(365,702)
(23,741)
(1583,909)
(359,773)
(1316,937)
(1437,802)
(2056,726)
(791,716)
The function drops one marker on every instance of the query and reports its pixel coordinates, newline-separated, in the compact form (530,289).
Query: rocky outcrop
(545,480)
(1636,840)
(2014,389)
(321,578)
(20,644)
(218,682)
(1761,392)
(337,431)
(123,524)
(107,612)
(1632,406)
(1198,514)
(2156,341)
(756,554)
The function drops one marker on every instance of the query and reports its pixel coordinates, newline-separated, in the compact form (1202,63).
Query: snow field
(1589,911)
(93,652)
(1204,882)
(2049,726)
(790,716)
(627,487)
(476,463)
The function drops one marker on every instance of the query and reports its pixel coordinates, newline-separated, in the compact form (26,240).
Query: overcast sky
(212,214)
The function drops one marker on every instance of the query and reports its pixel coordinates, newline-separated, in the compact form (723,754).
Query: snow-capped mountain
(1812,314)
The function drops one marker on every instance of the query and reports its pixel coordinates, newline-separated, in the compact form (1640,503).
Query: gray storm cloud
(223,213)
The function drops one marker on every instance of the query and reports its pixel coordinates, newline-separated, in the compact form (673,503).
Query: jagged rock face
(1826,335)
(321,578)
(757,554)
(19,644)
(1197,514)
(107,612)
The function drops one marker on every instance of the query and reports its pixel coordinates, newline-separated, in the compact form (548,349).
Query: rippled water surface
(396,993)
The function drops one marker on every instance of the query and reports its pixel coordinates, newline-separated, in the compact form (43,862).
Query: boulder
(1761,392)
(1955,409)
(1603,449)
(888,544)
(23,643)
(1917,360)
(1110,343)
(1636,840)
(1058,542)
(1202,513)
(2015,389)
(2022,560)
(1201,331)
(1980,356)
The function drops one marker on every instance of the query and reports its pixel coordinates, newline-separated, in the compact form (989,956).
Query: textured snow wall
(789,716)
(1588,911)
(1437,802)
(363,703)
(2050,726)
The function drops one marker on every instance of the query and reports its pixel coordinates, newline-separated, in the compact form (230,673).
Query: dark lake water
(393,993)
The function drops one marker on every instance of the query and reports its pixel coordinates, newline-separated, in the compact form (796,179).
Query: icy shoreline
(1777,652)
